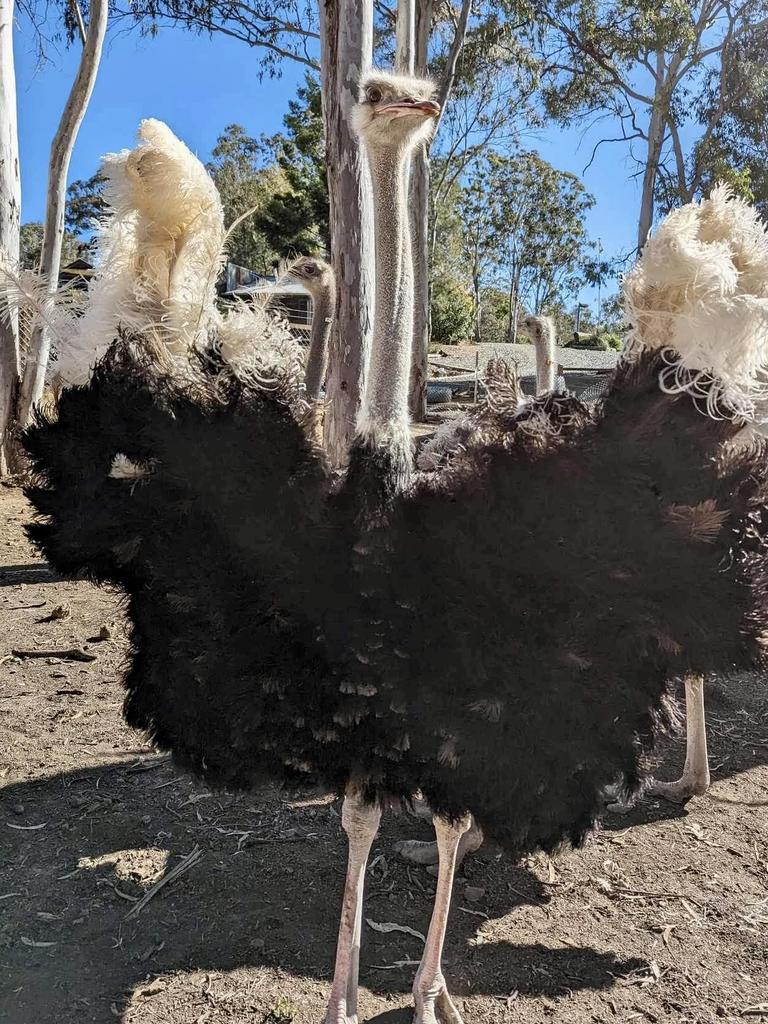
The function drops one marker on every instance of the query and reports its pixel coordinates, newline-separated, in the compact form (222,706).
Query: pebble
(473,893)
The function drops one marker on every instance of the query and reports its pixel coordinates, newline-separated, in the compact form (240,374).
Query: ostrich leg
(430,993)
(361,822)
(695,778)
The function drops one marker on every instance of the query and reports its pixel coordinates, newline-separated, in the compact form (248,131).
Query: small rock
(473,893)
(17,809)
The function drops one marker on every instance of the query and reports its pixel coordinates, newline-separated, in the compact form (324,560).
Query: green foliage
(494,316)
(687,78)
(614,341)
(241,169)
(452,312)
(31,246)
(736,152)
(85,204)
(295,219)
(600,340)
(521,223)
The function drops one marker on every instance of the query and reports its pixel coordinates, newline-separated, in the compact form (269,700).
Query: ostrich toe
(436,1006)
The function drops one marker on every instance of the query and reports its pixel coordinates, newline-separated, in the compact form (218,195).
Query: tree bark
(346,28)
(405,44)
(422,253)
(417,399)
(58,168)
(655,142)
(10,210)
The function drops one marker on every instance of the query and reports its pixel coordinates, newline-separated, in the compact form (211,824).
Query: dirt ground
(662,917)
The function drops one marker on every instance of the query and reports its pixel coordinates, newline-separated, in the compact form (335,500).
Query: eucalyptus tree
(10,213)
(63,143)
(660,73)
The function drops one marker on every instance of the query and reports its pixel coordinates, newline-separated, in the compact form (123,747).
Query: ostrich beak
(428,107)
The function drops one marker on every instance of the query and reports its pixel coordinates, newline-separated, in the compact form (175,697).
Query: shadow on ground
(266,893)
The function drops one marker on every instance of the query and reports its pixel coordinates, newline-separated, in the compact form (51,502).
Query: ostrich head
(539,329)
(315,274)
(395,111)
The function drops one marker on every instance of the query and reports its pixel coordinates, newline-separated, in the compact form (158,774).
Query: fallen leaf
(390,926)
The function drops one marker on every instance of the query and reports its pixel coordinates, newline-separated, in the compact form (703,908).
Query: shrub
(451,313)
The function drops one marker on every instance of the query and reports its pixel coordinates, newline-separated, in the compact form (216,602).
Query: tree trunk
(417,399)
(422,251)
(346,29)
(10,209)
(655,142)
(478,310)
(58,168)
(405,45)
(511,309)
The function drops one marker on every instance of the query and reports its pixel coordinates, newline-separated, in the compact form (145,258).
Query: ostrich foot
(337,1014)
(681,791)
(616,800)
(416,852)
(435,1006)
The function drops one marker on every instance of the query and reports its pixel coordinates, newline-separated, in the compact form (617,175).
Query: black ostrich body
(497,635)
(281,629)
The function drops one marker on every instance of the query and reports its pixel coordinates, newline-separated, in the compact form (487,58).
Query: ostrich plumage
(319,634)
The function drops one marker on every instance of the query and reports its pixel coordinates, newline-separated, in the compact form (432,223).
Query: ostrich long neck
(324,303)
(384,412)
(544,342)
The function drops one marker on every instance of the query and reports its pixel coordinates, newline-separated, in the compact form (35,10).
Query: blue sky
(199,84)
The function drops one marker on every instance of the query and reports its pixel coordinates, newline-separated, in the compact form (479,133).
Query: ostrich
(320,634)
(703,273)
(318,278)
(541,331)
(491,419)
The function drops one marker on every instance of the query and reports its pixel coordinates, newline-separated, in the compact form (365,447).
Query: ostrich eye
(373,95)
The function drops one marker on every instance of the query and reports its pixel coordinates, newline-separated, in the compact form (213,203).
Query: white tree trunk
(346,29)
(10,210)
(61,153)
(420,233)
(405,46)
(420,199)
(653,155)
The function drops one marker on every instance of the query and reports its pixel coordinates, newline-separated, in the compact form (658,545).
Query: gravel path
(525,356)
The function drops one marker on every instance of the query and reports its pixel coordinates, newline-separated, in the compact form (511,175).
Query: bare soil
(662,916)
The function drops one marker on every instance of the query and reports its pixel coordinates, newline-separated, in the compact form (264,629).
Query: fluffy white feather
(160,250)
(699,292)
(259,346)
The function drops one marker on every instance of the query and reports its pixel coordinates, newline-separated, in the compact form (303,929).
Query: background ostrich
(320,634)
(318,278)
(490,420)
(541,330)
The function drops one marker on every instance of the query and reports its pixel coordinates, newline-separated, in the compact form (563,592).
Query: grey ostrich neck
(384,414)
(324,303)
